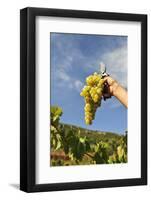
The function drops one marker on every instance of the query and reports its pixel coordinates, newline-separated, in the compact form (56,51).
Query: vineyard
(73,145)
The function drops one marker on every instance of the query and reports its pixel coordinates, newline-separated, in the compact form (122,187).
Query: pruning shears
(102,70)
(103,73)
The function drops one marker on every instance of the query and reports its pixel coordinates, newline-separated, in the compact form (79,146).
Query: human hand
(110,87)
(113,88)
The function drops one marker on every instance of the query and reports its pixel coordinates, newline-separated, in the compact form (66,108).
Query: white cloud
(116,63)
(78,85)
(66,81)
(62,75)
(66,50)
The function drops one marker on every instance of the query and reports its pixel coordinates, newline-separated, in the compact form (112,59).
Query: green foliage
(83,146)
(101,153)
(56,112)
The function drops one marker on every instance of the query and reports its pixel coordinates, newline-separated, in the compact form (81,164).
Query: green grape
(92,93)
(99,91)
(96,98)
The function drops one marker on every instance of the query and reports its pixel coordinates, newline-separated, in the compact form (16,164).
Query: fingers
(109,85)
(109,80)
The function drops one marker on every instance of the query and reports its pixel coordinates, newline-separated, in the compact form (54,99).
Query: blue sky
(75,56)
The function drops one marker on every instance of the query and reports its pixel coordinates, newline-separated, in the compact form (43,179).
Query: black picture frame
(28,99)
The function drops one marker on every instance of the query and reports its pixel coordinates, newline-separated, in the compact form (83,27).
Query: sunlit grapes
(92,93)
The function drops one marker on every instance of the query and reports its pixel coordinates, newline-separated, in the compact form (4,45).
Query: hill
(93,135)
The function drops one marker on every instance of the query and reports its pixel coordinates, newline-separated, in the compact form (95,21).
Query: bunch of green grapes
(92,93)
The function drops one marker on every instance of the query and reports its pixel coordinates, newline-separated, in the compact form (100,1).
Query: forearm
(121,94)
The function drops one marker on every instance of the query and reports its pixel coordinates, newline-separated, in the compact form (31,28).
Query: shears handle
(106,93)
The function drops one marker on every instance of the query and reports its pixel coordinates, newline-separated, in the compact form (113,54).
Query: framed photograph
(83,99)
